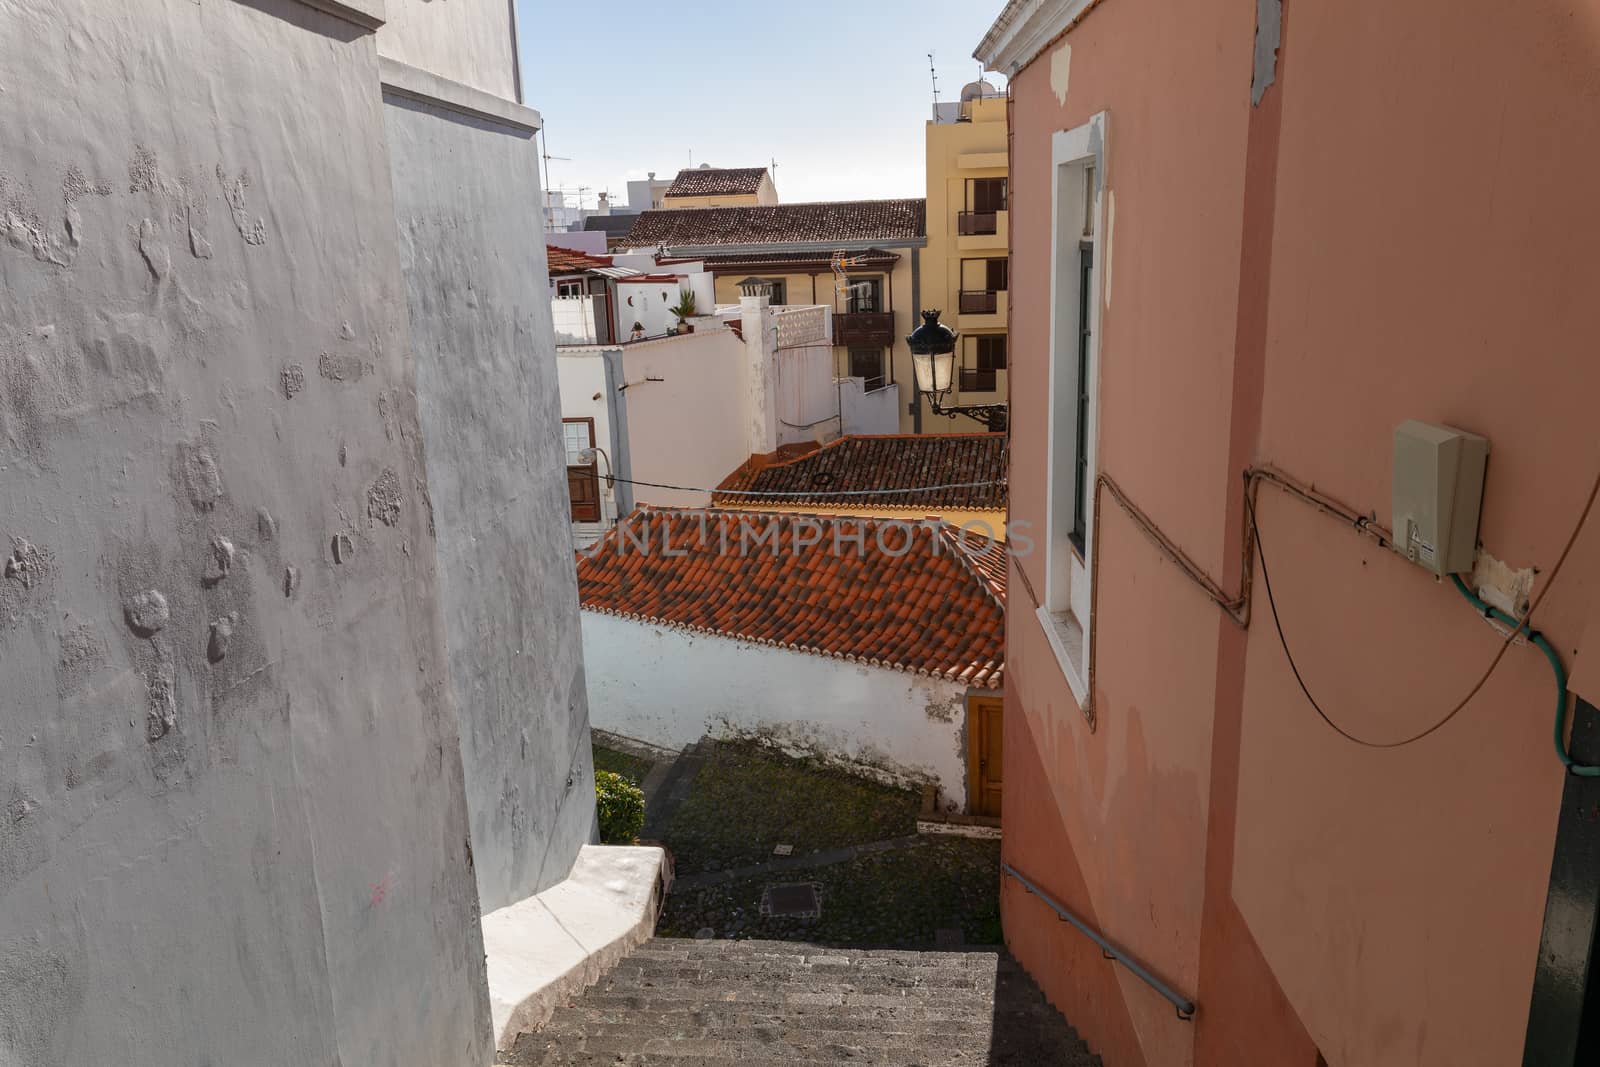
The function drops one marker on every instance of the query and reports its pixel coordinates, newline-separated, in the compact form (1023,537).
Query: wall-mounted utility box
(1438,492)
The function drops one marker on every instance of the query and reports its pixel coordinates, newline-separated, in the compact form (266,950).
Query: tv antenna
(934,74)
(547,157)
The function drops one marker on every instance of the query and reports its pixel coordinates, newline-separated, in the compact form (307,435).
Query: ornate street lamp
(933,358)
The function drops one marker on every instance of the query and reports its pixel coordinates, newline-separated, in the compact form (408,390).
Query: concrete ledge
(368,14)
(543,950)
(959,826)
(413,83)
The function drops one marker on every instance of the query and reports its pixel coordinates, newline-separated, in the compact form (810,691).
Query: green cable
(1539,642)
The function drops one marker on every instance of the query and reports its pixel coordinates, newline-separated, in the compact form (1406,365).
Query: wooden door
(583,479)
(984,741)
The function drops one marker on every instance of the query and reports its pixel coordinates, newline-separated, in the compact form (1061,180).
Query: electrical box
(1438,492)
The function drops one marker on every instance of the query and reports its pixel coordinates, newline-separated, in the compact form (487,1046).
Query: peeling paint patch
(1502,586)
(1061,72)
(161,713)
(27,235)
(75,186)
(27,564)
(82,654)
(293,379)
(154,250)
(340,368)
(944,710)
(147,612)
(383,498)
(1269,32)
(253,232)
(201,476)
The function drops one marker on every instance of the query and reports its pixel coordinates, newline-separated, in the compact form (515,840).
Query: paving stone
(680,1003)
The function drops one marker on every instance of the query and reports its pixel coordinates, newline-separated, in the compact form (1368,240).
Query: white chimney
(761,371)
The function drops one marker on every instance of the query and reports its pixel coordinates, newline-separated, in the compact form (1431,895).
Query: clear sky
(836,91)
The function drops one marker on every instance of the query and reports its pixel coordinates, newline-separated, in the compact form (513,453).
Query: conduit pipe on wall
(1237,607)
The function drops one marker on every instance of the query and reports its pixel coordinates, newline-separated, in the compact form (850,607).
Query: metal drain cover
(795,901)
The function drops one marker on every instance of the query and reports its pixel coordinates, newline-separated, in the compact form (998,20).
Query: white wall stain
(1061,72)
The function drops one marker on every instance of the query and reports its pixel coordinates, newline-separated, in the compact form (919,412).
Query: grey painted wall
(466,198)
(233,826)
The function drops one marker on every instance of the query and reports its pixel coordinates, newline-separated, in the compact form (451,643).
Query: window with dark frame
(997,274)
(1080,481)
(867,298)
(987,194)
(779,290)
(986,357)
(986,197)
(867,363)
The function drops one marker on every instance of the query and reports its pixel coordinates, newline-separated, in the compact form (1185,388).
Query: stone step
(680,1003)
(871,1033)
(816,981)
(677,1051)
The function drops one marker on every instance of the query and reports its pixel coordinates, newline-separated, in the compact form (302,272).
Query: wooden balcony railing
(863,328)
(970,223)
(974,380)
(979,301)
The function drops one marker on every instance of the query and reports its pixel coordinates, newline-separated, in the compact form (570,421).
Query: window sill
(1066,638)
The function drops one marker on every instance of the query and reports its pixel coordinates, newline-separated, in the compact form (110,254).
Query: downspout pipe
(916,307)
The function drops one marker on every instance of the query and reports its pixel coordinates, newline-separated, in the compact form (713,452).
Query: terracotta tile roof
(828,223)
(892,463)
(613,225)
(717,181)
(757,262)
(900,595)
(571,261)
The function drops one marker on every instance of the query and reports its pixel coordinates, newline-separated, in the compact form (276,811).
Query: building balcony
(979,301)
(976,223)
(981,230)
(981,309)
(863,328)
(973,380)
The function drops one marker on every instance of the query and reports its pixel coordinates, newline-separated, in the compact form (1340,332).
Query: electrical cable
(1521,627)
(812,494)
(1537,639)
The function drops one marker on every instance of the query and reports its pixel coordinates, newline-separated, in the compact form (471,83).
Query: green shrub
(620,804)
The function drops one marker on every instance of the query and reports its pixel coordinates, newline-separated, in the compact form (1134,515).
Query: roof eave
(1022,31)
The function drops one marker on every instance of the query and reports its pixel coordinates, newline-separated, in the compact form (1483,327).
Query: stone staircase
(679,1002)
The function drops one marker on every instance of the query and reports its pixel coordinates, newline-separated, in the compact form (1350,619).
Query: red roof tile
(799,262)
(914,597)
(828,223)
(717,181)
(571,261)
(897,465)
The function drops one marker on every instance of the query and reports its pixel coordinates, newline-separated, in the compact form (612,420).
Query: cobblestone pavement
(853,839)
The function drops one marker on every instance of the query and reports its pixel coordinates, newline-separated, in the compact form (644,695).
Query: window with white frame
(1076,255)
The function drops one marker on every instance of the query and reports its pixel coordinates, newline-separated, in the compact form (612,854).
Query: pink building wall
(1401,229)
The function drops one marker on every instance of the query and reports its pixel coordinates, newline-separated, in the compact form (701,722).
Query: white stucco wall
(808,403)
(468,41)
(877,411)
(672,687)
(582,382)
(574,319)
(685,429)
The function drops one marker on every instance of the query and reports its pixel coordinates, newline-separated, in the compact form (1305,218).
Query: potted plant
(638,331)
(684,309)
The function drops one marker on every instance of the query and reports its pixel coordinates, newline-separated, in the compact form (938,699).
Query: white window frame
(1067,612)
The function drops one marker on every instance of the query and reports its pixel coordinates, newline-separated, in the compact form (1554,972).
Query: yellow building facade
(966,266)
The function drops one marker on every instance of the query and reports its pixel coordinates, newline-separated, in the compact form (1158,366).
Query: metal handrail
(1185,1006)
